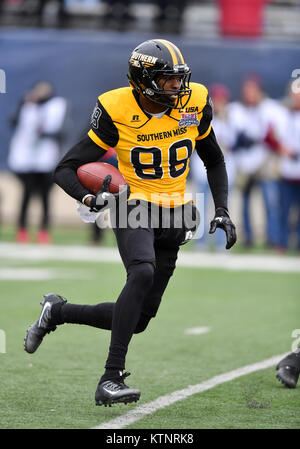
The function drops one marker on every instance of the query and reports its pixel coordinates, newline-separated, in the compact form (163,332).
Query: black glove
(101,200)
(223,221)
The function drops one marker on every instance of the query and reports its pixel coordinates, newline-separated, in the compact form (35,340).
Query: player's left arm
(211,154)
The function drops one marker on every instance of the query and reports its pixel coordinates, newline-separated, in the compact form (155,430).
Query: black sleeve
(103,126)
(211,154)
(65,174)
(207,115)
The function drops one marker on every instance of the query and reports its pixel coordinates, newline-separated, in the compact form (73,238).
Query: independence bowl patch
(188,119)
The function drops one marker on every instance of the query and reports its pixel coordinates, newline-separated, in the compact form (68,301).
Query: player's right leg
(37,331)
(98,316)
(165,266)
(136,247)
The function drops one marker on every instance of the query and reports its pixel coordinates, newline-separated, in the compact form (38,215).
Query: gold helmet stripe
(178,52)
(176,55)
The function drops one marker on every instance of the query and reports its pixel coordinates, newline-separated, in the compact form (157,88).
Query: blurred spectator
(39,12)
(170,16)
(118,11)
(34,151)
(290,172)
(220,96)
(57,5)
(257,122)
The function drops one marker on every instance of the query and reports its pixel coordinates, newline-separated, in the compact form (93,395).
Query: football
(92,175)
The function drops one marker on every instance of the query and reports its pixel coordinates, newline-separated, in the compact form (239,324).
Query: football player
(154,125)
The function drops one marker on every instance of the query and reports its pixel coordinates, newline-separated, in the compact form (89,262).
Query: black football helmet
(156,58)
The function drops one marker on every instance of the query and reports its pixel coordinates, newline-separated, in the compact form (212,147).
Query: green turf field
(251,316)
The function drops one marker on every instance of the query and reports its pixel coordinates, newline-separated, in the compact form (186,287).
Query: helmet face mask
(156,59)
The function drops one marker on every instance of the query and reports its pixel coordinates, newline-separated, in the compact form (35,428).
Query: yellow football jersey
(153,153)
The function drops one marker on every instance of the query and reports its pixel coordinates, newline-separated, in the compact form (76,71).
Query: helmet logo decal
(146,59)
(135,63)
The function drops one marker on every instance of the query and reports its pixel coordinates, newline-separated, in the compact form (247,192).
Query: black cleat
(37,331)
(288,370)
(114,391)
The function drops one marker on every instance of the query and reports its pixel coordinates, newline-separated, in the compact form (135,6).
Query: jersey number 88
(156,165)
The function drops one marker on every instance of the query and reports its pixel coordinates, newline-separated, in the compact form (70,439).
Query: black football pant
(149,255)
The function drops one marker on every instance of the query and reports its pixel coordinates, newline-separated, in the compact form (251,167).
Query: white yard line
(26,274)
(226,261)
(40,274)
(197,330)
(163,401)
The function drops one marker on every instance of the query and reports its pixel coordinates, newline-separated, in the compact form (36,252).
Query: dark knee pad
(142,274)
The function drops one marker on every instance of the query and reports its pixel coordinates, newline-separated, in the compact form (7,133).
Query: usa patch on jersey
(188,119)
